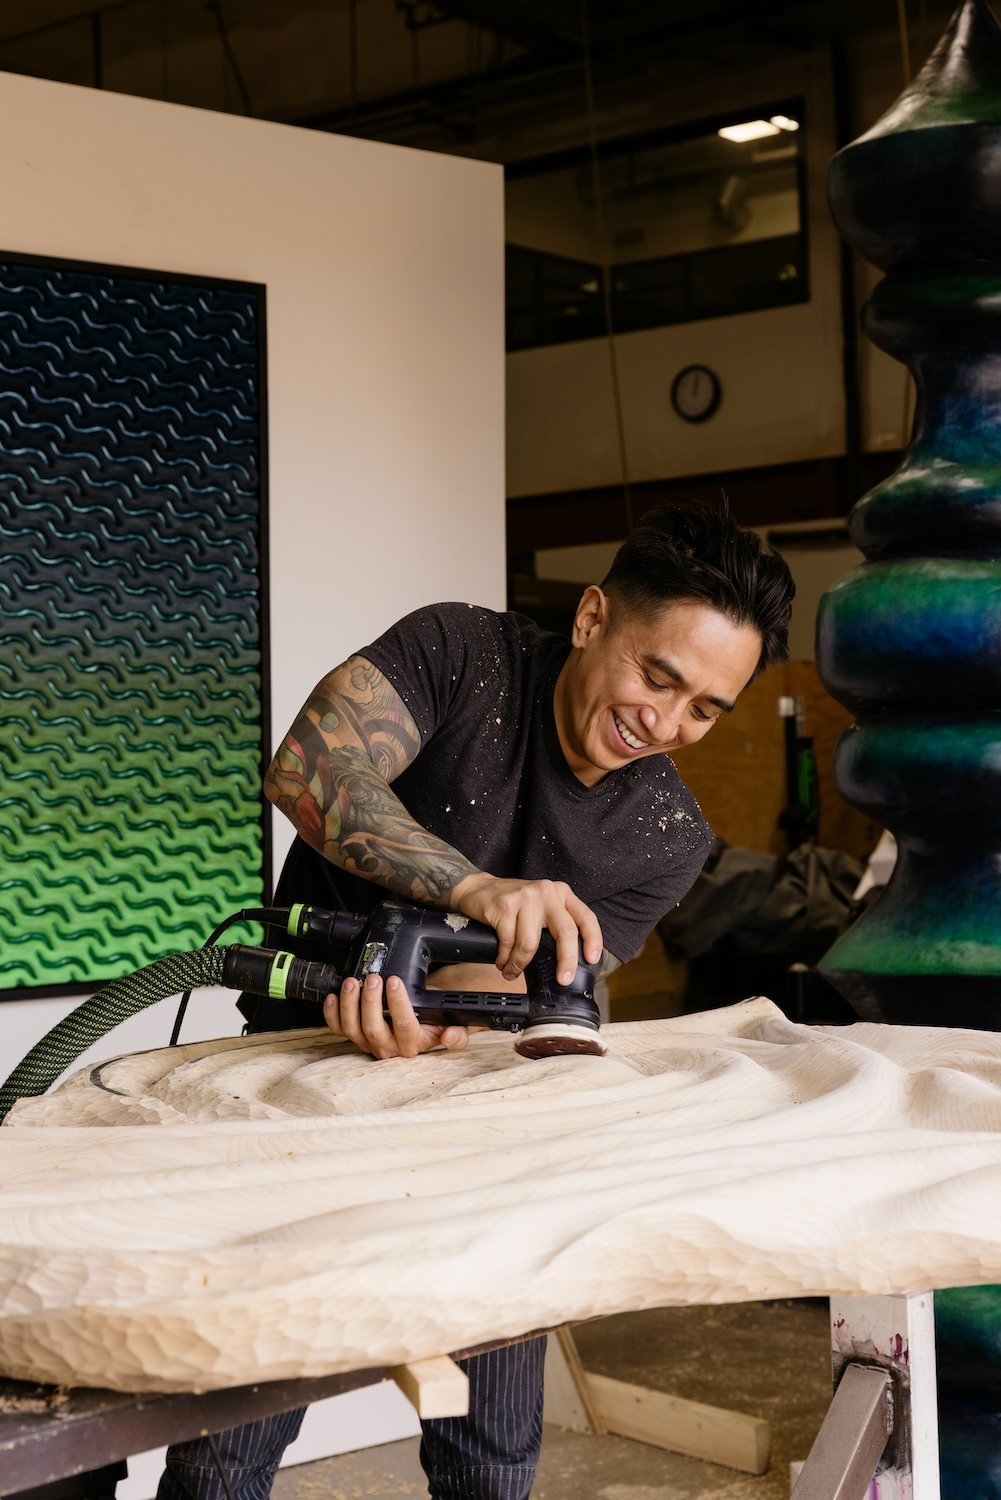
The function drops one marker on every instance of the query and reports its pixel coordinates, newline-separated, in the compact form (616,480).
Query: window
(699,223)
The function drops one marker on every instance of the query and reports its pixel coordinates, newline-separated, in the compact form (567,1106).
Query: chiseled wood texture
(300,1209)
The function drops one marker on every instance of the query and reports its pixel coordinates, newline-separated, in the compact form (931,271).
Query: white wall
(384,275)
(383,269)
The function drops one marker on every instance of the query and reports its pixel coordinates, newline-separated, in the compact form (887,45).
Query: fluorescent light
(784,122)
(750,130)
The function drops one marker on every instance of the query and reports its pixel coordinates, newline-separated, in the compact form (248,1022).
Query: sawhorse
(880,1436)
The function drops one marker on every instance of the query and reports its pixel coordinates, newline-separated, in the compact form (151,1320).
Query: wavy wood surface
(300,1209)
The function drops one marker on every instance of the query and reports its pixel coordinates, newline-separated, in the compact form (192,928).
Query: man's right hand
(520,910)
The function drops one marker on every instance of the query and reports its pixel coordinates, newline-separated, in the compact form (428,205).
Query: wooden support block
(436,1387)
(721,1437)
(569,1402)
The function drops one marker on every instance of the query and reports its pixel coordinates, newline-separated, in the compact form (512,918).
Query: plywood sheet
(738,771)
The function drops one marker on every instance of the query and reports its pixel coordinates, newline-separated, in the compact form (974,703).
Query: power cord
(268,915)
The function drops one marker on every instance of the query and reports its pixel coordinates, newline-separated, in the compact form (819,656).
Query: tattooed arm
(331,779)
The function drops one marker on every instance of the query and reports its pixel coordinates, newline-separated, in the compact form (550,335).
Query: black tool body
(406,941)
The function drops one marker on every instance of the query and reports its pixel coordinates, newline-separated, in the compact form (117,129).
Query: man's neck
(585,773)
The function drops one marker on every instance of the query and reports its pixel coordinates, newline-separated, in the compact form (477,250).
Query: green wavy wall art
(132,614)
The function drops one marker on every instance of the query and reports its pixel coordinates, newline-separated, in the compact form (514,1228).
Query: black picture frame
(134,615)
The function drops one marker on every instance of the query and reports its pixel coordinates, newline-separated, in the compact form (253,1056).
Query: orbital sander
(395,939)
(406,941)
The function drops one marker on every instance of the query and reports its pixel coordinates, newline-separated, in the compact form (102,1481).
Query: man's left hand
(357,1013)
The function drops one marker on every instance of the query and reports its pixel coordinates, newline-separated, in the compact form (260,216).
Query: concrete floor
(770,1359)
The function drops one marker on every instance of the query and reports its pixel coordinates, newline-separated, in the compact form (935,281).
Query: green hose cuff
(295,915)
(278,978)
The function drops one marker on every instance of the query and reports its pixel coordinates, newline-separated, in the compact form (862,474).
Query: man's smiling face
(644,682)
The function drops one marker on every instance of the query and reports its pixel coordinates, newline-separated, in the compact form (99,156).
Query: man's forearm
(352,816)
(332,779)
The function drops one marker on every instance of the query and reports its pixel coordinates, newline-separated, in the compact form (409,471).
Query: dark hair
(696,551)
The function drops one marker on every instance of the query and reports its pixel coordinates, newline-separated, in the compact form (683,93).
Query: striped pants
(489,1455)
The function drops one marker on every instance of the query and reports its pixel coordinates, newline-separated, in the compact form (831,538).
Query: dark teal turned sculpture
(910,641)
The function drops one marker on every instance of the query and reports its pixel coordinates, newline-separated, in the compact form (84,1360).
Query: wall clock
(696,393)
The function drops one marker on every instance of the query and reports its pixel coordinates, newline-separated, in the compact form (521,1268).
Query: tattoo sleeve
(331,779)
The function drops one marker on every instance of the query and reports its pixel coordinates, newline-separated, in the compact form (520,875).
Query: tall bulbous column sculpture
(911,640)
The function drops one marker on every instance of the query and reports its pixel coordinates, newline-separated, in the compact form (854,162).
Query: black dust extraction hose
(106,1009)
(263,971)
(282,916)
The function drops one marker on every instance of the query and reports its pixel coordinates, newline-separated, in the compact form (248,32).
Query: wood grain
(730,1438)
(435,1387)
(262,1207)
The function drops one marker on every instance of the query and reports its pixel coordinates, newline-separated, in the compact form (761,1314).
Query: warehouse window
(700,223)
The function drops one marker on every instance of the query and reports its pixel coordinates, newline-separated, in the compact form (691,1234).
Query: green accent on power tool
(292,927)
(278,977)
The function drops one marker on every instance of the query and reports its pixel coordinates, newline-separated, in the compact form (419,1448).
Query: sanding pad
(558,1039)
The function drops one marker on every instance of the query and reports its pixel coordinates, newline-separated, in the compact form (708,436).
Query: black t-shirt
(492,780)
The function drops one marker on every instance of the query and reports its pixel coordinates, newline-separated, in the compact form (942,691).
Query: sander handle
(270,971)
(404,940)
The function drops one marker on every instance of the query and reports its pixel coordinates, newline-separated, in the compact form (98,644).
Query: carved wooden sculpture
(300,1209)
(911,641)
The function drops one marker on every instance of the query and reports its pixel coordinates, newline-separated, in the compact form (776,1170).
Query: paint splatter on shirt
(492,780)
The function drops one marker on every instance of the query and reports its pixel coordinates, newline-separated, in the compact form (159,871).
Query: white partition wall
(384,276)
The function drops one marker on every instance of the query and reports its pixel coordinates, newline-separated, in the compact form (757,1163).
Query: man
(473,762)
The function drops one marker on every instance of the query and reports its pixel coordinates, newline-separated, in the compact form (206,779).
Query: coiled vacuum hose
(105,1010)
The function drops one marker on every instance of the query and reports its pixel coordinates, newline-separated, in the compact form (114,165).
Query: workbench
(880,1434)
(48,1434)
(292,1204)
